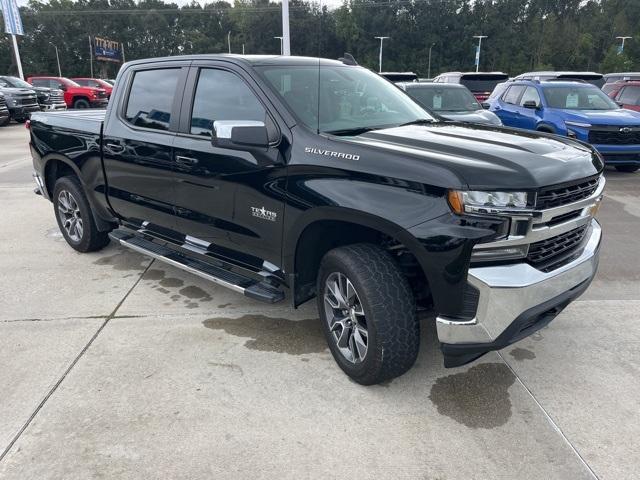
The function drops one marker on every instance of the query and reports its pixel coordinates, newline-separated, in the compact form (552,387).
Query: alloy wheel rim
(70,215)
(346,318)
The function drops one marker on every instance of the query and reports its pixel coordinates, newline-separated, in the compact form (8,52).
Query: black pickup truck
(319,178)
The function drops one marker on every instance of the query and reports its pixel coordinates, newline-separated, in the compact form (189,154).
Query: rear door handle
(186,160)
(115,147)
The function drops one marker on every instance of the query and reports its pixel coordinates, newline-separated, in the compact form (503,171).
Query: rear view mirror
(486,105)
(530,104)
(240,134)
(62,87)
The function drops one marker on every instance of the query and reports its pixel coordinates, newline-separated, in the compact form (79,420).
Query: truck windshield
(350,99)
(14,82)
(578,98)
(441,99)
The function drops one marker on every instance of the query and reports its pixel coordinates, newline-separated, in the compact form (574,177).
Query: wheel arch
(326,228)
(57,166)
(546,128)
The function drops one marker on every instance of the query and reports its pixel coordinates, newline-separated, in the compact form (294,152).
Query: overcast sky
(329,3)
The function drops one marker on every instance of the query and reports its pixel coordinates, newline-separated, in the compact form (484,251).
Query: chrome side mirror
(240,134)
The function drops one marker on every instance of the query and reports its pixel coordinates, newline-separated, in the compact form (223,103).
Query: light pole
(479,37)
(429,69)
(286,40)
(281,45)
(229,41)
(57,59)
(621,47)
(382,39)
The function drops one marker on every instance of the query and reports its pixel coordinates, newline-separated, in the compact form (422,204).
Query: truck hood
(616,117)
(19,91)
(487,157)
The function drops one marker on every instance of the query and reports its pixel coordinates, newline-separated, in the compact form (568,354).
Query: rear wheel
(81,103)
(75,218)
(4,121)
(368,313)
(627,168)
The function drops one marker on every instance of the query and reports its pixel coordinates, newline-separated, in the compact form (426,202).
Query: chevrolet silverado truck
(274,175)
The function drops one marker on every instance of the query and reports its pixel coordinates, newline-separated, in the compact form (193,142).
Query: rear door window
(151,98)
(222,95)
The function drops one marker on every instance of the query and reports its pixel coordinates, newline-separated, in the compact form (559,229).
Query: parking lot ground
(116,366)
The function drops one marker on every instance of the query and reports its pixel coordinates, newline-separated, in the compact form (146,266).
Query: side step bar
(239,283)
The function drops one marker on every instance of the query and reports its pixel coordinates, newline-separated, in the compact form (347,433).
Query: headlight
(486,202)
(578,124)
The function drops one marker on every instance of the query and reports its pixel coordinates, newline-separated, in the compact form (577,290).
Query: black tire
(5,121)
(86,238)
(388,309)
(81,103)
(627,168)
(20,119)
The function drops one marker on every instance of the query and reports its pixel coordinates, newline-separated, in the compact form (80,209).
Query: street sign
(11,14)
(107,50)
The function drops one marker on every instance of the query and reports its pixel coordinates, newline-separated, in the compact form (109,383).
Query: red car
(75,96)
(95,83)
(626,94)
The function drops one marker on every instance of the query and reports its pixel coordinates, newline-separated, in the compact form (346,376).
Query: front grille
(3,103)
(615,136)
(549,254)
(56,98)
(28,100)
(558,195)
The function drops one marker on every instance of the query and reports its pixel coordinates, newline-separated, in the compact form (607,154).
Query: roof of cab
(253,60)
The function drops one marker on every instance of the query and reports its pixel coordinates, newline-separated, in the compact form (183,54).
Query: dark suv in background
(5,117)
(48,98)
(481,84)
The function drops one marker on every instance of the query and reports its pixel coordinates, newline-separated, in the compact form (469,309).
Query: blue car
(577,110)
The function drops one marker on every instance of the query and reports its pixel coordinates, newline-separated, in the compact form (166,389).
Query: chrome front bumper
(509,291)
(54,106)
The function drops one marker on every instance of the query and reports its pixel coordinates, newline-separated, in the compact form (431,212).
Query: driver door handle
(114,147)
(186,160)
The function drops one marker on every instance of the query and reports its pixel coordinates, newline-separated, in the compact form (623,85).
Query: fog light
(499,253)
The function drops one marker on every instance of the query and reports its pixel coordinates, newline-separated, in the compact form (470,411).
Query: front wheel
(368,313)
(627,168)
(75,218)
(81,103)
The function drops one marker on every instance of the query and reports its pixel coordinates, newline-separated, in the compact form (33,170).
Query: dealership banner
(11,15)
(106,50)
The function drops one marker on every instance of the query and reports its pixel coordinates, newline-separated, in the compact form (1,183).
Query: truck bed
(86,121)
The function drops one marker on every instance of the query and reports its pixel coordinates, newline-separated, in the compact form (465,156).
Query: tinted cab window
(222,95)
(151,98)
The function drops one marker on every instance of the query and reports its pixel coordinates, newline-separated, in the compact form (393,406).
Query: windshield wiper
(351,131)
(420,121)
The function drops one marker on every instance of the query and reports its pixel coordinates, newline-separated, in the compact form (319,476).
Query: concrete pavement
(116,366)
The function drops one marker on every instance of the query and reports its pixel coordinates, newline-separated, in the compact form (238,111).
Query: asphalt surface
(116,366)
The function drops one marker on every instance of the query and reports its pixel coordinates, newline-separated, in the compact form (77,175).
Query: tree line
(522,34)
